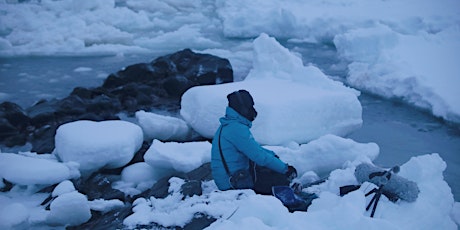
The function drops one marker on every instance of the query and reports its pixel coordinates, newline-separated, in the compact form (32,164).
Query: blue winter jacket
(238,146)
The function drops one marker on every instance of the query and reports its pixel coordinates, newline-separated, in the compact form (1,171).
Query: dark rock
(177,85)
(139,155)
(15,115)
(71,105)
(8,186)
(15,140)
(7,129)
(159,189)
(202,173)
(98,186)
(199,221)
(103,104)
(82,93)
(42,113)
(43,139)
(144,86)
(191,188)
(14,124)
(140,73)
(109,220)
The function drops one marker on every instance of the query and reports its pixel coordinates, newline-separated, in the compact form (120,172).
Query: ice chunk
(95,145)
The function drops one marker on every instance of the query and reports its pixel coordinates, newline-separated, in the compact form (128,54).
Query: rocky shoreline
(156,85)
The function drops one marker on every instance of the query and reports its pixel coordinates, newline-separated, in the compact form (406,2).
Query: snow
(397,49)
(69,209)
(390,64)
(164,128)
(138,177)
(294,102)
(281,117)
(14,215)
(328,155)
(325,154)
(246,210)
(182,157)
(417,65)
(105,205)
(96,145)
(24,170)
(63,187)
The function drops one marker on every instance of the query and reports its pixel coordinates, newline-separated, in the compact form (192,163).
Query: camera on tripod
(388,183)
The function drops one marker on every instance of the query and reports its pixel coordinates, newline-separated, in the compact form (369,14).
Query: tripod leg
(377,198)
(370,192)
(371,201)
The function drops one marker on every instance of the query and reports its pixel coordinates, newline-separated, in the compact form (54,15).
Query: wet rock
(98,186)
(202,173)
(43,139)
(14,124)
(191,188)
(15,115)
(143,86)
(7,186)
(42,113)
(199,221)
(109,220)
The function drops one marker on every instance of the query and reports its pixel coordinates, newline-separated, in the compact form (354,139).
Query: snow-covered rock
(163,128)
(25,170)
(181,157)
(95,145)
(69,209)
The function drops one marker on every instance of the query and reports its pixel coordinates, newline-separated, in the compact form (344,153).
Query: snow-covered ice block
(95,145)
(164,128)
(294,102)
(69,209)
(24,170)
(326,153)
(182,157)
(287,111)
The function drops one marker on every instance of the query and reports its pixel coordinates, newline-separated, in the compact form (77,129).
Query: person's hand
(291,173)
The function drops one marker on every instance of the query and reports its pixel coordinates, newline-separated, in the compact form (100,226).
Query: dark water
(25,80)
(403,132)
(400,130)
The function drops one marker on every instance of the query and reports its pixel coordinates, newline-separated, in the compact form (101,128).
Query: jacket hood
(232,116)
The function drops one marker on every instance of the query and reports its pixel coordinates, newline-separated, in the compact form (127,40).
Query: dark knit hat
(243,103)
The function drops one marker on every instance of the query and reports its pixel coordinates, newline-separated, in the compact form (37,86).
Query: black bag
(265,179)
(241,179)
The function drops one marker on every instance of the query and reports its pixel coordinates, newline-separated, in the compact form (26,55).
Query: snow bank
(181,157)
(419,67)
(95,145)
(396,65)
(103,27)
(164,128)
(294,102)
(24,170)
(245,210)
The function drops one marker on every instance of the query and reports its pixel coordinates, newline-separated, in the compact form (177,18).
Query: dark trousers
(265,179)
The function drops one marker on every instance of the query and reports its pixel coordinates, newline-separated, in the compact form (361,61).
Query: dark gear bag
(265,179)
(241,179)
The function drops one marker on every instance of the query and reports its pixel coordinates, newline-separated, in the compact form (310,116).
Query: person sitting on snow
(235,153)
